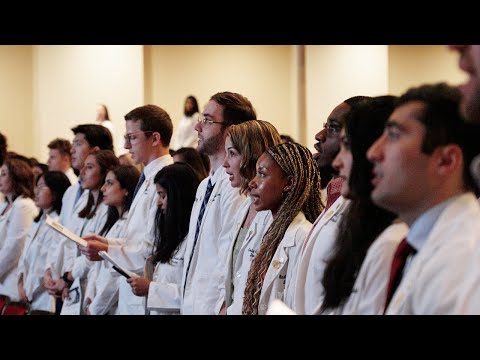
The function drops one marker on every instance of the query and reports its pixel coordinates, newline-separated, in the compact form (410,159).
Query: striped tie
(199,222)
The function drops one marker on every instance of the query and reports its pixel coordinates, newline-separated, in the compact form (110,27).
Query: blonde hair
(251,139)
(305,195)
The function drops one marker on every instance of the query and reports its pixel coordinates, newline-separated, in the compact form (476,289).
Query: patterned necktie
(404,249)
(139,184)
(334,189)
(199,222)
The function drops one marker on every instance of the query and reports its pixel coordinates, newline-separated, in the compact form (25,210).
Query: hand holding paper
(120,269)
(64,231)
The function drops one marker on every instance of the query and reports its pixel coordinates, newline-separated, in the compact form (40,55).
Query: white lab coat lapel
(447,225)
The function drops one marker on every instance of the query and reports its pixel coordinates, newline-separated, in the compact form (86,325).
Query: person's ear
(449,159)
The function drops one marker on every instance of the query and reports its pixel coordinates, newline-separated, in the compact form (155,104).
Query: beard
(212,145)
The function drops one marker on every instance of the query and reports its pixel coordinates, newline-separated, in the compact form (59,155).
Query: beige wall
(16,97)
(261,73)
(414,65)
(69,82)
(337,72)
(45,90)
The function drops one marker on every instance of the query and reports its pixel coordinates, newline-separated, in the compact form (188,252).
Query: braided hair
(296,161)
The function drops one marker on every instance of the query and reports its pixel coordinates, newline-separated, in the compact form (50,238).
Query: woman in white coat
(101,296)
(288,184)
(363,221)
(16,215)
(244,144)
(93,174)
(49,190)
(176,187)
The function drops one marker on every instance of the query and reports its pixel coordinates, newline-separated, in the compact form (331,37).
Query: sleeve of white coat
(106,295)
(164,293)
(81,267)
(132,254)
(23,213)
(293,258)
(370,289)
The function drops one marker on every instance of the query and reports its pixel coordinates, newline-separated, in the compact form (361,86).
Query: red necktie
(404,249)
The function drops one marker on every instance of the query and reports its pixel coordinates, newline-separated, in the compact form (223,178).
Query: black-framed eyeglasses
(129,137)
(332,129)
(202,119)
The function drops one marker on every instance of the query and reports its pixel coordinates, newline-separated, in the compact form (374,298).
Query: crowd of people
(227,216)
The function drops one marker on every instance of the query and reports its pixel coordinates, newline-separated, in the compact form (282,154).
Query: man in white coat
(215,206)
(317,246)
(88,138)
(421,174)
(149,130)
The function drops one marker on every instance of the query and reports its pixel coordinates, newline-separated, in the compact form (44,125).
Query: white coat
(279,280)
(246,253)
(370,289)
(61,248)
(31,265)
(132,250)
(164,293)
(435,281)
(14,226)
(102,286)
(202,289)
(317,250)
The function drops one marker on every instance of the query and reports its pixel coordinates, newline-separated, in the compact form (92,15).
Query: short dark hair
(96,135)
(443,122)
(193,158)
(153,118)
(236,108)
(62,145)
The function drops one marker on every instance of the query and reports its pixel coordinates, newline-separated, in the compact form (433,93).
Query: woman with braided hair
(288,184)
(244,144)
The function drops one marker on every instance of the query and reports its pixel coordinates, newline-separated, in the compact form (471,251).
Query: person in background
(286,138)
(185,134)
(17,212)
(39,169)
(60,158)
(3,148)
(193,158)
(103,118)
(162,280)
(49,190)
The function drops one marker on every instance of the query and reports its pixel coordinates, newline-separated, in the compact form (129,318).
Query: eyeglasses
(202,119)
(129,137)
(332,129)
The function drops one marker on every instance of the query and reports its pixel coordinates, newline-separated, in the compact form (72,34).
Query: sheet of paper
(65,232)
(278,307)
(120,269)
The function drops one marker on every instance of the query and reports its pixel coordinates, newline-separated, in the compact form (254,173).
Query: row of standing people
(284,183)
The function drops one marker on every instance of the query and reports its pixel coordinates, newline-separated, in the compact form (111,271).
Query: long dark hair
(363,220)
(127,176)
(58,183)
(180,182)
(107,160)
(194,108)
